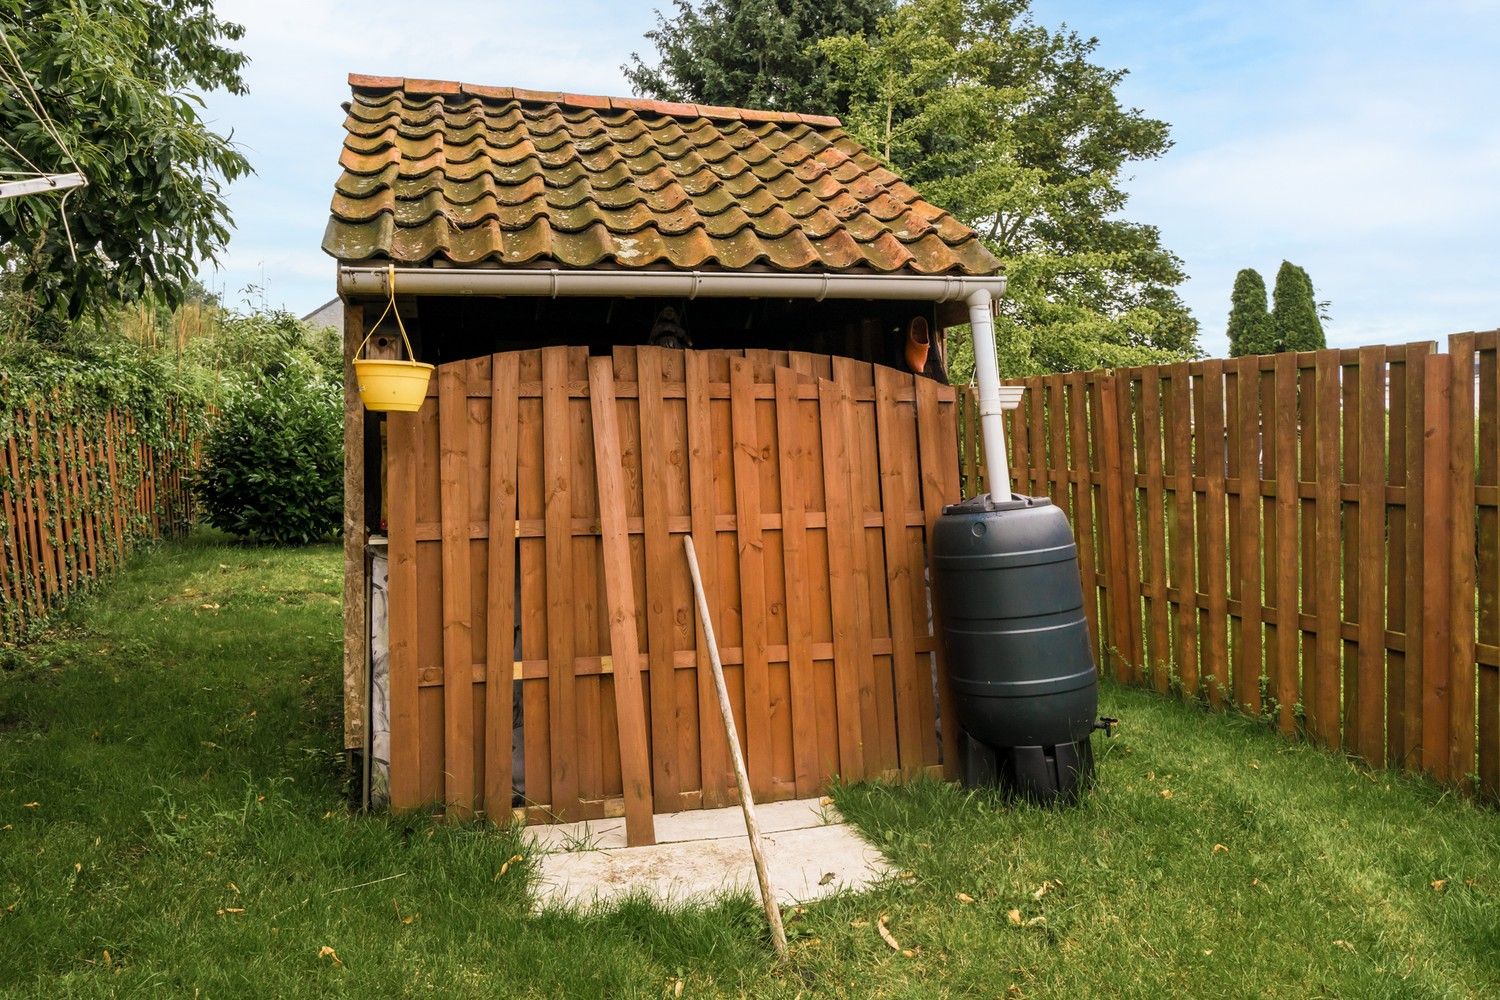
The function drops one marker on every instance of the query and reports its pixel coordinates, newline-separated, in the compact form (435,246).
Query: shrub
(273,463)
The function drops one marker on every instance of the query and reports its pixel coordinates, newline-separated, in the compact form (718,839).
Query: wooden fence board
(751,552)
(1286,680)
(500,578)
(624,644)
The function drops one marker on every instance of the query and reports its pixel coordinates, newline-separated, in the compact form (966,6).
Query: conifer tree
(1295,311)
(1251,330)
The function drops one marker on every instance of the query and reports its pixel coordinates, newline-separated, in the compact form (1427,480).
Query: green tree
(1014,129)
(749,53)
(1294,309)
(119,80)
(1251,329)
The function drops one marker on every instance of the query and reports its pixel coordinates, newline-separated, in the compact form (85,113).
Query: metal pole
(747,804)
(41,185)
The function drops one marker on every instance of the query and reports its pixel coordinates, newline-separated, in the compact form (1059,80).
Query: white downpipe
(987,372)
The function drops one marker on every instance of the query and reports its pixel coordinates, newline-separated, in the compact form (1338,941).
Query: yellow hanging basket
(387,385)
(392,386)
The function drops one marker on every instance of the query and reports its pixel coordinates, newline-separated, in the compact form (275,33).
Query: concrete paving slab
(703,854)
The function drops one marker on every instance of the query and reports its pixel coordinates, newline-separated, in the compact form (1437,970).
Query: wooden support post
(356,613)
(619,587)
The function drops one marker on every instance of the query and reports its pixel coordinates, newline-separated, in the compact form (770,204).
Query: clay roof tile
(438,172)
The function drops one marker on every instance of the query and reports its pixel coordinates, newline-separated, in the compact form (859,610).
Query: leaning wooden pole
(747,804)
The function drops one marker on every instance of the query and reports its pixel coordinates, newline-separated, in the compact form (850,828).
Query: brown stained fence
(808,484)
(1312,537)
(77,489)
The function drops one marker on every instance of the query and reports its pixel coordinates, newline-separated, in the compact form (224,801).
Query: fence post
(1437,534)
(1461,728)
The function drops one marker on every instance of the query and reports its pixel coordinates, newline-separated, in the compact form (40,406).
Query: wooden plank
(1462,611)
(792,455)
(1083,505)
(458,664)
(1307,530)
(1057,447)
(1438,511)
(1325,713)
(536,712)
(899,569)
(1396,569)
(747,457)
(1107,428)
(1372,477)
(714,748)
(562,700)
(1247,650)
(1159,655)
(1286,680)
(401,472)
(1212,450)
(500,580)
(940,486)
(624,643)
(356,583)
(1487,571)
(877,685)
(1184,526)
(1412,582)
(847,625)
(655,468)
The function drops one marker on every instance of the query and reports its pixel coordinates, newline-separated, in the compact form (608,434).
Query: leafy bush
(273,463)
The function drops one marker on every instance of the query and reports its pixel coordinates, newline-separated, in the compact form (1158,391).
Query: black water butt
(1019,658)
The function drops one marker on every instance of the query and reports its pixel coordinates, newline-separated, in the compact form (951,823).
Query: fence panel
(1314,537)
(77,489)
(810,485)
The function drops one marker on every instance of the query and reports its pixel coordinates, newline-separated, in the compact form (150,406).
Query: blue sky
(1360,140)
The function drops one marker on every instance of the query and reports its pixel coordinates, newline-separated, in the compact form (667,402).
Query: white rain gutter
(979,293)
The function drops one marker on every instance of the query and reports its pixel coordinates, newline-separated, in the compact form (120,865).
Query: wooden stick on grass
(747,804)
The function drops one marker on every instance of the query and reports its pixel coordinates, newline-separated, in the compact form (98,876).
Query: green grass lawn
(173,822)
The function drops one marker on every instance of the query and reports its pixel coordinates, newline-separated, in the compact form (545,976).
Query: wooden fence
(1313,537)
(77,489)
(809,484)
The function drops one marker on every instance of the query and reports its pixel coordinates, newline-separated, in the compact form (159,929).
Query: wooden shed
(649,319)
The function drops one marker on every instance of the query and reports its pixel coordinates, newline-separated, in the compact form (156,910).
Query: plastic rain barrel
(1019,658)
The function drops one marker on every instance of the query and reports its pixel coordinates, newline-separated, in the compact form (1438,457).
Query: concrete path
(701,854)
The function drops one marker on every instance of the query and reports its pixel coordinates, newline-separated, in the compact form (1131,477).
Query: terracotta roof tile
(470,175)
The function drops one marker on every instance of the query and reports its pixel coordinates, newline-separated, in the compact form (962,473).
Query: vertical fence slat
(747,456)
(1437,559)
(562,698)
(660,558)
(401,473)
(848,654)
(1213,445)
(1371,560)
(1184,524)
(1462,569)
(938,475)
(1247,647)
(500,581)
(458,623)
(893,491)
(1287,683)
(1487,573)
(799,626)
